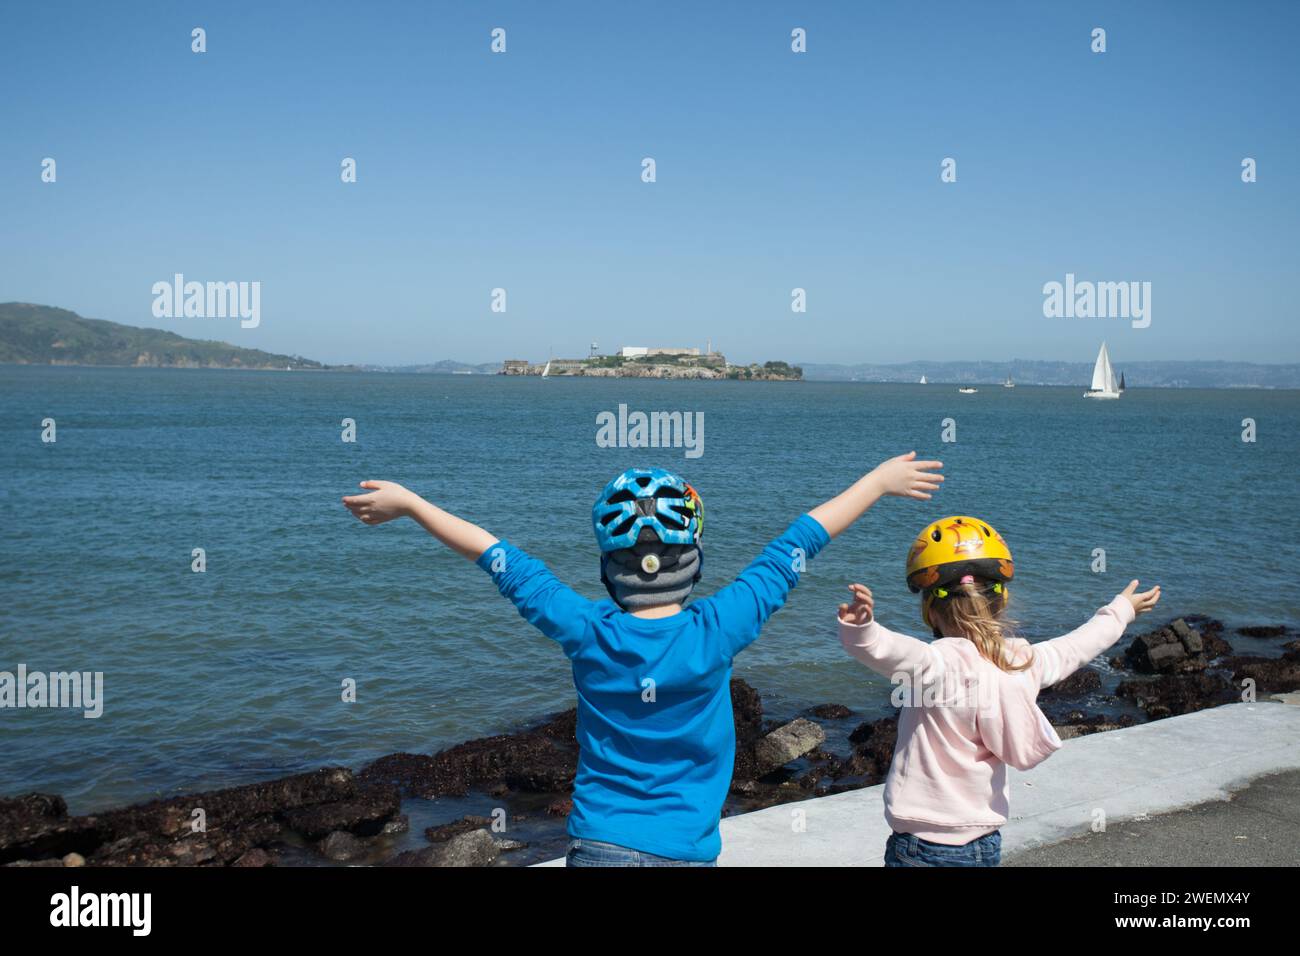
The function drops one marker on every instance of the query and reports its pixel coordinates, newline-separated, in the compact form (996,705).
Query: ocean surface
(234,675)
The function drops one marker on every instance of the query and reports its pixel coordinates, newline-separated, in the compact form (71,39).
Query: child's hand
(859,612)
(387,501)
(1141,602)
(906,477)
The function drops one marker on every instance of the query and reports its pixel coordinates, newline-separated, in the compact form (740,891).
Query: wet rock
(505,846)
(560,808)
(341,846)
(1262,630)
(476,848)
(446,831)
(747,709)
(1271,675)
(535,761)
(364,815)
(39,863)
(1215,646)
(873,749)
(399,824)
(255,857)
(1079,724)
(1177,648)
(831,712)
(37,825)
(1291,650)
(787,743)
(1170,695)
(1082,681)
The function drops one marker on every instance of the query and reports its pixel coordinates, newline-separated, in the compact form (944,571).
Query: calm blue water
(234,675)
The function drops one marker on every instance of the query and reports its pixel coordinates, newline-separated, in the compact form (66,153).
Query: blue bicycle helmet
(647,501)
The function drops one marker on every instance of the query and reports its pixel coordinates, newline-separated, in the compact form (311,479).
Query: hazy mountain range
(45,335)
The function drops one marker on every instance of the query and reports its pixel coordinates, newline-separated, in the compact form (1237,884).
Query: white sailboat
(1103,377)
(547,371)
(923,381)
(1008,383)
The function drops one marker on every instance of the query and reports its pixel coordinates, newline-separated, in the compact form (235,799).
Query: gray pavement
(1259,825)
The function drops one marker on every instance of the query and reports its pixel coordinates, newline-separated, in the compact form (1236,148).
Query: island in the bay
(640,361)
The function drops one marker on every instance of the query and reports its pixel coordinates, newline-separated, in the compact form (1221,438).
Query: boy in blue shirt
(655,730)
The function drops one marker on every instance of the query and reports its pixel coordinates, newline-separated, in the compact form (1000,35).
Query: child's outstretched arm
(903,476)
(388,500)
(543,600)
(1060,657)
(885,652)
(743,607)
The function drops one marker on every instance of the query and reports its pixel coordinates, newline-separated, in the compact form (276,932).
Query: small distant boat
(1121,381)
(1008,383)
(462,371)
(547,371)
(968,390)
(923,381)
(1103,378)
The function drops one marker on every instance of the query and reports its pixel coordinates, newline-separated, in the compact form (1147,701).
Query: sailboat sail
(1121,381)
(1103,377)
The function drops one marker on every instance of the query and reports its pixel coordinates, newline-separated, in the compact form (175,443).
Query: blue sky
(775,171)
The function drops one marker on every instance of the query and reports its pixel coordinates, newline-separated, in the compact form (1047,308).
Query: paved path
(1123,775)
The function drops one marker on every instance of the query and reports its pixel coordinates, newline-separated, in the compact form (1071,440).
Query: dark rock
(560,808)
(1271,675)
(399,824)
(1215,646)
(531,761)
(255,857)
(39,863)
(341,846)
(831,712)
(1262,630)
(1175,649)
(747,709)
(1170,695)
(873,749)
(1291,650)
(476,848)
(1082,681)
(364,815)
(787,743)
(1079,724)
(37,825)
(444,832)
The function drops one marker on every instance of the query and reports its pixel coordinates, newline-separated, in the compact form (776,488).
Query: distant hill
(43,335)
(445,367)
(1027,372)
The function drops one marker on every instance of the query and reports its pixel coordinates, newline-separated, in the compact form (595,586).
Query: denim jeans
(595,853)
(904,849)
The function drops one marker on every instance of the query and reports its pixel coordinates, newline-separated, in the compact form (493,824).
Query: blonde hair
(981,618)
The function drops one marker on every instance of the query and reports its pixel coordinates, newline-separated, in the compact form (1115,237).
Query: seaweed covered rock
(1177,648)
(1271,675)
(475,848)
(37,826)
(1169,695)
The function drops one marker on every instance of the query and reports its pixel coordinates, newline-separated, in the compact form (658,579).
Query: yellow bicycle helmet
(954,548)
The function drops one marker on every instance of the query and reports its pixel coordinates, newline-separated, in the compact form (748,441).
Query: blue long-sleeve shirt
(655,730)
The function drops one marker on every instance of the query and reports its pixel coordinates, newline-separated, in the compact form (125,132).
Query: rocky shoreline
(523,780)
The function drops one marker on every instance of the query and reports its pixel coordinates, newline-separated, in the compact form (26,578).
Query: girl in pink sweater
(968,698)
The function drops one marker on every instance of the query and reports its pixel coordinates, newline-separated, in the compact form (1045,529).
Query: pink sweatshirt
(964,719)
